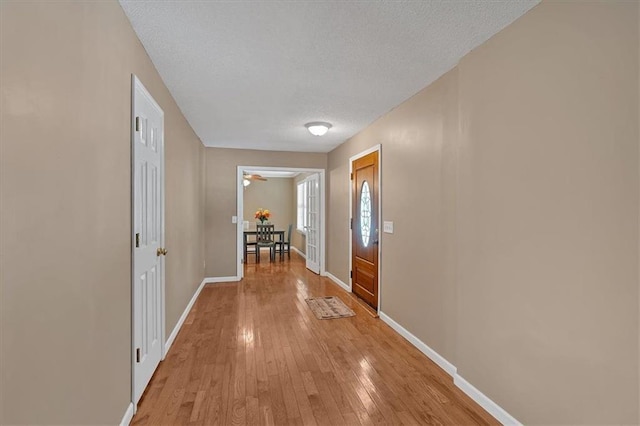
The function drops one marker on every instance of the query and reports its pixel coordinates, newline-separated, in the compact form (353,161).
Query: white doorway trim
(311,185)
(240,211)
(351,159)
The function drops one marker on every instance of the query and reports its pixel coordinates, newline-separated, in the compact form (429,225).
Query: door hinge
(137,124)
(350,274)
(137,354)
(137,239)
(351,223)
(351,178)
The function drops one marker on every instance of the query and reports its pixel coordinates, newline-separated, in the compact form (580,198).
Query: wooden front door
(364,228)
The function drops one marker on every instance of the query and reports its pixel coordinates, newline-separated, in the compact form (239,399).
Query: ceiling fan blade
(253,177)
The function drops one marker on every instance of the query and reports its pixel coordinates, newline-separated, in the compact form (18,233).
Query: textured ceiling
(250,74)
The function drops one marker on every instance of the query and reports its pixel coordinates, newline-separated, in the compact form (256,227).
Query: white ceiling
(250,74)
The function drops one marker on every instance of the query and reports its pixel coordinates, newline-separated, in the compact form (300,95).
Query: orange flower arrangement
(262,215)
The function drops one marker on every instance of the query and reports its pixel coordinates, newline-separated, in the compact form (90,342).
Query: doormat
(329,307)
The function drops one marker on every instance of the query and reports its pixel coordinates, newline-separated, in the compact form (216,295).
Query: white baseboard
(485,402)
(337,281)
(481,399)
(212,280)
(128,416)
(183,317)
(304,256)
(422,347)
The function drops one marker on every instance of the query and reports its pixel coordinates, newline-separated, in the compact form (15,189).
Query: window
(301,201)
(365,213)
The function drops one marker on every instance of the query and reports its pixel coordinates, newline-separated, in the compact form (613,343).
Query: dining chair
(264,238)
(285,246)
(250,244)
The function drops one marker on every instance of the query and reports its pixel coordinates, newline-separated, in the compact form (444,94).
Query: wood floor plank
(304,406)
(253,353)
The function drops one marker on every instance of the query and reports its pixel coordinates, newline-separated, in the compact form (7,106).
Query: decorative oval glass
(365,213)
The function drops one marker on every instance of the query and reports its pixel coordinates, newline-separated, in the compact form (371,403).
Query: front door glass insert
(365,213)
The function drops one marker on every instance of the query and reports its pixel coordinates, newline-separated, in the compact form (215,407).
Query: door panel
(364,228)
(148,238)
(313,222)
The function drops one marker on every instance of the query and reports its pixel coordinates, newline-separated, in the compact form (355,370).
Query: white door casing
(321,173)
(313,222)
(148,237)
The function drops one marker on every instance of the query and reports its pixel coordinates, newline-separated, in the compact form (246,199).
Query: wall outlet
(388,227)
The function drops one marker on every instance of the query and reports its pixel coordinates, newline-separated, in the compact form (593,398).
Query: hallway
(253,353)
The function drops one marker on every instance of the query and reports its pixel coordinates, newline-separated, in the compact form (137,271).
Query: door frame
(374,148)
(306,181)
(240,211)
(136,83)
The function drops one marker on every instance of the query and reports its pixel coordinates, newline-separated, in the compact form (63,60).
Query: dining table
(246,233)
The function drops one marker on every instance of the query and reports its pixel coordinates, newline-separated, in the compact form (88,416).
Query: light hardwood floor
(253,353)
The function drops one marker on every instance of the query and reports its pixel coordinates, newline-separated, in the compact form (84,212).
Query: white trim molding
(304,256)
(128,416)
(183,317)
(240,208)
(481,399)
(420,345)
(337,281)
(213,280)
(485,402)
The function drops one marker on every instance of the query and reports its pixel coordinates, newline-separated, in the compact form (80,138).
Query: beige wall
(273,194)
(513,185)
(65,270)
(221,174)
(418,289)
(548,214)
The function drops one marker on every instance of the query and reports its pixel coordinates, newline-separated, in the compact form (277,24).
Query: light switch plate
(234,219)
(388,227)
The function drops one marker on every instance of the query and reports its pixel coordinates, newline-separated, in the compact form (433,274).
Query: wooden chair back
(264,233)
(289,234)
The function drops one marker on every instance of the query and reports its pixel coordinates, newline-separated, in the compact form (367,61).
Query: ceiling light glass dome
(318,128)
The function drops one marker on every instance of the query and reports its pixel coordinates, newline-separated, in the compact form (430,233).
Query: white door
(313,223)
(148,237)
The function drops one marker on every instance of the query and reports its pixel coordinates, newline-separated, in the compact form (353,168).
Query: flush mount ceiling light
(318,128)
